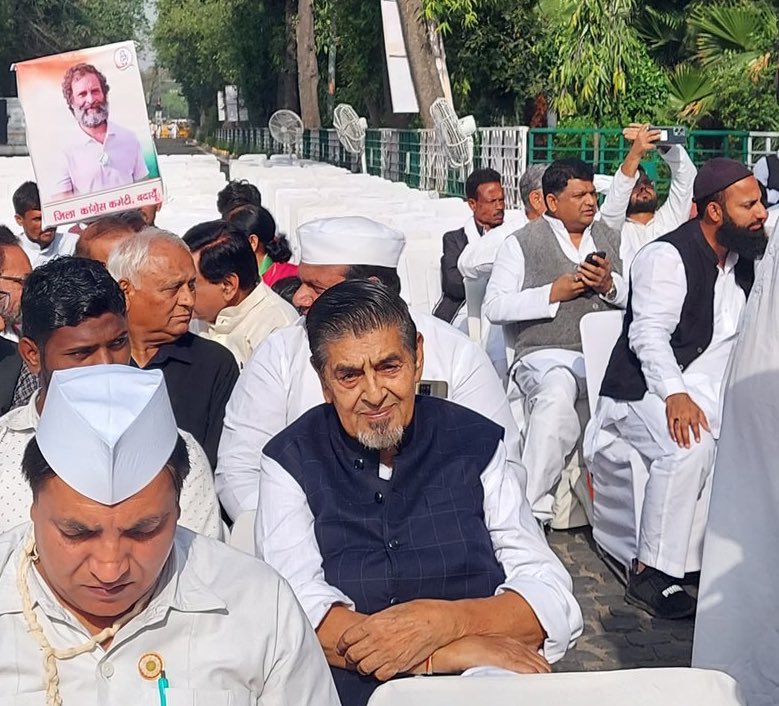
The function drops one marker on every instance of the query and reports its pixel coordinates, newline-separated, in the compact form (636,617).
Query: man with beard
(396,518)
(631,203)
(104,155)
(661,390)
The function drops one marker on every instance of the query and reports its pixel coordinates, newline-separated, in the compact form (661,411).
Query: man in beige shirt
(239,309)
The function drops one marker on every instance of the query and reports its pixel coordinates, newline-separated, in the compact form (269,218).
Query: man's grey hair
(131,257)
(531,181)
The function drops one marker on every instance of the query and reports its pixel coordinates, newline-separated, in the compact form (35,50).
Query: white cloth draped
(737,628)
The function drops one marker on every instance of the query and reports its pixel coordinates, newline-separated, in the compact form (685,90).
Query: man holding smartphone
(548,275)
(631,205)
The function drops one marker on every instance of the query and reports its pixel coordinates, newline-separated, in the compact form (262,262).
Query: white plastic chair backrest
(599,331)
(242,533)
(646,687)
(474,298)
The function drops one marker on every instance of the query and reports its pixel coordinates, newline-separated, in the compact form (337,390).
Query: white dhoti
(676,494)
(552,426)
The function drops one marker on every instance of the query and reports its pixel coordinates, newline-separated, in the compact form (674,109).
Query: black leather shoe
(659,594)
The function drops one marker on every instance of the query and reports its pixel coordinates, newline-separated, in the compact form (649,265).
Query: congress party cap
(350,240)
(107,430)
(717,174)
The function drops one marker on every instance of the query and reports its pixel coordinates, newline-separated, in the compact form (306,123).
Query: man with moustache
(631,205)
(546,276)
(661,391)
(104,155)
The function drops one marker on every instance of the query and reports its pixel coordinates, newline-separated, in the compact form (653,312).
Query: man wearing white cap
(103,600)
(75,317)
(279,384)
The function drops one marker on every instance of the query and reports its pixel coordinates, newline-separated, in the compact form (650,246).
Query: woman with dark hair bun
(270,248)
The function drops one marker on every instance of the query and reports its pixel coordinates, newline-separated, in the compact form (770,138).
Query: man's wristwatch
(611,295)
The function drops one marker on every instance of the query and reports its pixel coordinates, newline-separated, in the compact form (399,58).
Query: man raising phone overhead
(545,278)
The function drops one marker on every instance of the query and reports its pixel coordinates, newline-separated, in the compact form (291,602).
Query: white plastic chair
(599,331)
(242,534)
(474,298)
(638,687)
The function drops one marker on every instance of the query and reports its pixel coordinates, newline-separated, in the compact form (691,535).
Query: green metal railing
(414,156)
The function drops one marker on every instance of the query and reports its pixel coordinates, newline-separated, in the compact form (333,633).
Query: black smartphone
(598,253)
(676,135)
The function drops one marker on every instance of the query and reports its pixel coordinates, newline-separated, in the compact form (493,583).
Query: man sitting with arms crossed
(631,203)
(661,390)
(396,520)
(104,600)
(278,383)
(551,273)
(74,317)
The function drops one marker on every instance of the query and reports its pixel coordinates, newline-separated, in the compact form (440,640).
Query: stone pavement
(616,635)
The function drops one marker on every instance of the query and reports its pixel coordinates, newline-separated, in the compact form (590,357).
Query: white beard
(381,437)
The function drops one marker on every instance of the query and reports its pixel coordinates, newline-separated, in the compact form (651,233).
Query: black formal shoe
(659,594)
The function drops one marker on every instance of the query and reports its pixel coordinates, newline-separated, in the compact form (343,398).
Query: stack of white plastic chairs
(191,185)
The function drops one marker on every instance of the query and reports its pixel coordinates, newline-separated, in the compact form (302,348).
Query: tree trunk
(421,59)
(287,95)
(308,71)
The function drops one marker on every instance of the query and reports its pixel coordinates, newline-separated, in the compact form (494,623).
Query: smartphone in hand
(598,253)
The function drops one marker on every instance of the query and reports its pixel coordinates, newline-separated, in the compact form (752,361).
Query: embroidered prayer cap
(107,430)
(350,240)
(718,174)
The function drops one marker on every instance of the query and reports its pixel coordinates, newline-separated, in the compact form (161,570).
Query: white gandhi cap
(351,240)
(107,430)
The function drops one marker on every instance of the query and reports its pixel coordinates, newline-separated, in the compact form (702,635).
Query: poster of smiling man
(88,133)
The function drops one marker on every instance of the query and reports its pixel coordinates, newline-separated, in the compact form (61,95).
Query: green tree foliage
(599,67)
(491,62)
(40,27)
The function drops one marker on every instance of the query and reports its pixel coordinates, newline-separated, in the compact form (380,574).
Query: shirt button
(700,350)
(379,498)
(394,600)
(359,464)
(107,670)
(594,306)
(393,544)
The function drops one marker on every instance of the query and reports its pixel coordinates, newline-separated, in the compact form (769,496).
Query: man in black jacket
(661,390)
(487,201)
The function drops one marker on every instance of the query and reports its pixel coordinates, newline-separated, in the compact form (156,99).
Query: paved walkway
(616,635)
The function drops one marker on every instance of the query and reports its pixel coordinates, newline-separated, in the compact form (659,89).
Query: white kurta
(737,628)
(669,539)
(552,427)
(279,384)
(284,537)
(227,627)
(674,212)
(199,506)
(63,244)
(242,328)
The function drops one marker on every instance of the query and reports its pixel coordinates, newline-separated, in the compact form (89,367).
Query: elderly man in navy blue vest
(395,519)
(661,391)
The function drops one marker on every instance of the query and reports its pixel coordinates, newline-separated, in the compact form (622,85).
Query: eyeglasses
(19,280)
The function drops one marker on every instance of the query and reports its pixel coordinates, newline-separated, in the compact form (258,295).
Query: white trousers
(552,428)
(677,488)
